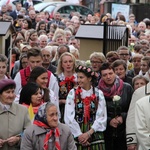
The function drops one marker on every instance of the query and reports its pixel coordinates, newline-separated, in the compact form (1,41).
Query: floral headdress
(87,71)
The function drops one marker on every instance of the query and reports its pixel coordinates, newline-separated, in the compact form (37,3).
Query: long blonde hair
(59,67)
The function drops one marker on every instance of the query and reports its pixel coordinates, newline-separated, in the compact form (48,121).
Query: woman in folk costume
(85,111)
(66,78)
(47,133)
(31,97)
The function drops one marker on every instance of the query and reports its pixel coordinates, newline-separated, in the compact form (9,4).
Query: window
(83,11)
(66,9)
(50,8)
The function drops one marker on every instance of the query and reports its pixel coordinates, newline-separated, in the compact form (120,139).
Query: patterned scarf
(116,89)
(49,134)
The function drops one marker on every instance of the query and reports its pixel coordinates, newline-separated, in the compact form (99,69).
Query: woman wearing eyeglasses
(96,59)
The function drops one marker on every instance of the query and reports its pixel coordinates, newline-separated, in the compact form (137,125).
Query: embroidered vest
(65,86)
(24,73)
(80,110)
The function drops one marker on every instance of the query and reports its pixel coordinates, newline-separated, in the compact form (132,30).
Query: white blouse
(62,76)
(101,114)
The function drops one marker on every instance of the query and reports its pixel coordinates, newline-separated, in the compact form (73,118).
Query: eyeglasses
(72,43)
(123,54)
(96,62)
(144,65)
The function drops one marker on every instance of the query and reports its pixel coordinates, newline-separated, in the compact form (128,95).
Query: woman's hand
(132,147)
(114,122)
(13,140)
(2,142)
(83,138)
(120,119)
(62,101)
(86,144)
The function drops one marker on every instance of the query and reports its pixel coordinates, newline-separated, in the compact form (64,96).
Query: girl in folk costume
(31,97)
(66,77)
(85,111)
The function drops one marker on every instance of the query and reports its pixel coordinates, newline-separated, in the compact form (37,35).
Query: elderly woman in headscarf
(46,133)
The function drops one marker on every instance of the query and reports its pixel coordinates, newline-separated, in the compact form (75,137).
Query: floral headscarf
(41,121)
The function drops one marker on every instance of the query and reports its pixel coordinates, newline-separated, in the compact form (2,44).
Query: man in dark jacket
(16,12)
(56,20)
(47,59)
(32,15)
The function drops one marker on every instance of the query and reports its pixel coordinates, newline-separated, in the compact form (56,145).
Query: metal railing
(114,37)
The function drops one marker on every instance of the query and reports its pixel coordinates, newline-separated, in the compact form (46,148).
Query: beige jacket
(142,122)
(12,123)
(130,122)
(34,136)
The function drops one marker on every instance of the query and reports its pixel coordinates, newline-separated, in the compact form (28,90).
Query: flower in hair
(89,70)
(80,67)
(96,74)
(92,74)
(84,68)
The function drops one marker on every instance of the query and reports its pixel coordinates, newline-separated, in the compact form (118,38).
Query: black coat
(124,104)
(128,80)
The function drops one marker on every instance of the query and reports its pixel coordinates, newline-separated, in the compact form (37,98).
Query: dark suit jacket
(52,68)
(55,63)
(14,15)
(128,80)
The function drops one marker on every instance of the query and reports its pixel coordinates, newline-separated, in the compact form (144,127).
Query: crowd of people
(51,99)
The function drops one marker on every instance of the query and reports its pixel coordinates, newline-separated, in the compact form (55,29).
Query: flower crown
(87,70)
